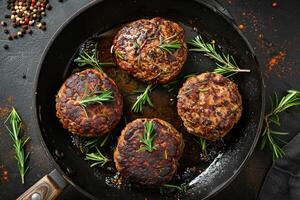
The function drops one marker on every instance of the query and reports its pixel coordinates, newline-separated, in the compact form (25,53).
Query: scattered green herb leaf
(14,130)
(203,144)
(226,64)
(97,157)
(181,188)
(85,59)
(142,99)
(268,135)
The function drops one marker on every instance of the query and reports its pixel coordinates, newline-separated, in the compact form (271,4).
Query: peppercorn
(7,16)
(10,37)
(3,23)
(6,31)
(29,31)
(6,46)
(48,7)
(24,27)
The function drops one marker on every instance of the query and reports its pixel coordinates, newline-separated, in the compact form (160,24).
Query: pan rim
(79,12)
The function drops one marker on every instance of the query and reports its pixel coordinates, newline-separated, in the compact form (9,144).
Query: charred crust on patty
(95,119)
(143,167)
(209,105)
(136,50)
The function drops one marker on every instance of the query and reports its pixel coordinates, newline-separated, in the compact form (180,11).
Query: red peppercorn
(26,20)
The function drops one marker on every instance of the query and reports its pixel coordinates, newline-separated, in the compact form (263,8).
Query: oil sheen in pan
(193,161)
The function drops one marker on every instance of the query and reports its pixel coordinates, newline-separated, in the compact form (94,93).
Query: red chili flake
(275,60)
(241,26)
(274,4)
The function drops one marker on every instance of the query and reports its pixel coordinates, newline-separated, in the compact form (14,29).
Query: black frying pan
(205,17)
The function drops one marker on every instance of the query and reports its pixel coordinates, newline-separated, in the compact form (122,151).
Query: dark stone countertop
(272,31)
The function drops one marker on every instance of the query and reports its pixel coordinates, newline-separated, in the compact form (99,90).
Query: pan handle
(218,6)
(47,188)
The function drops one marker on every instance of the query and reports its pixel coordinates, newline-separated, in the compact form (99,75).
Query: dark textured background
(270,30)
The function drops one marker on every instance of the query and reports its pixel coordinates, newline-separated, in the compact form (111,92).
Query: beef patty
(137,49)
(144,167)
(92,119)
(209,105)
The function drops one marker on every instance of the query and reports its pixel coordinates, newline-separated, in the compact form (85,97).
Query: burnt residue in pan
(193,161)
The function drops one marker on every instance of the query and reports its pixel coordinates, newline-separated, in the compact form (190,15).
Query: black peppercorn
(48,7)
(5,46)
(3,23)
(10,37)
(6,31)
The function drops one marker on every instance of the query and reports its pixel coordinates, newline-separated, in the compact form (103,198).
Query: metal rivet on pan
(35,196)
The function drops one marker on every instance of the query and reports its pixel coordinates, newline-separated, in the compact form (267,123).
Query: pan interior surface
(100,21)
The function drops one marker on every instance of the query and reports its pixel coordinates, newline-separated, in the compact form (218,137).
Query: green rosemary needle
(148,137)
(226,64)
(169,46)
(14,130)
(85,59)
(181,188)
(98,158)
(142,99)
(96,97)
(99,141)
(268,135)
(202,142)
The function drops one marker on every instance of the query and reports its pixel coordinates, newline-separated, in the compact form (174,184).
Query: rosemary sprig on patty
(19,143)
(169,45)
(98,158)
(85,59)
(142,99)
(270,136)
(96,97)
(226,64)
(148,137)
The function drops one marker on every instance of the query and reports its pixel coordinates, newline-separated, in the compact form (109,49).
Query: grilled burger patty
(209,105)
(95,119)
(136,49)
(144,167)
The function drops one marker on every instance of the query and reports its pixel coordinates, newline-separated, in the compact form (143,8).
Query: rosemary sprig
(169,46)
(268,135)
(203,144)
(148,137)
(96,97)
(19,143)
(99,141)
(97,157)
(142,99)
(226,64)
(181,188)
(85,59)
